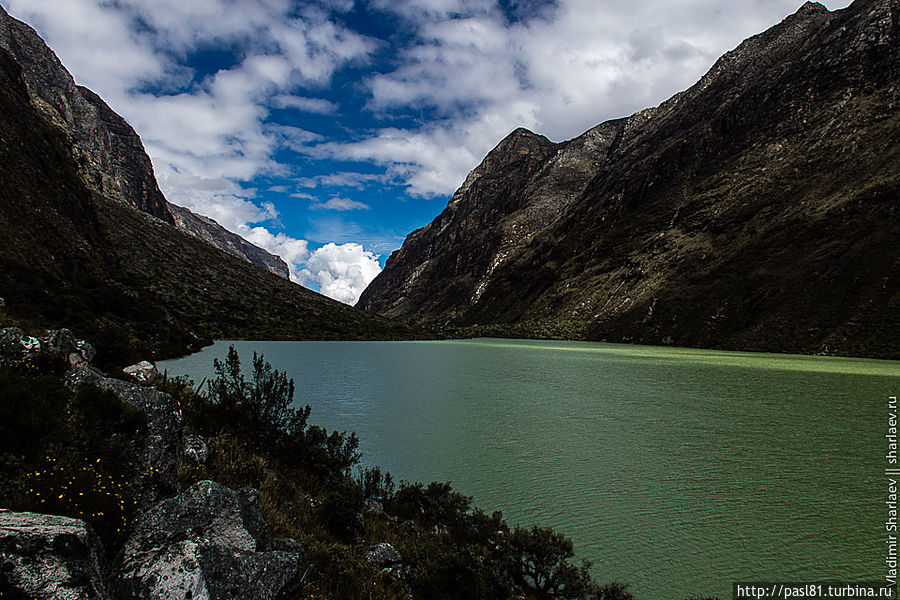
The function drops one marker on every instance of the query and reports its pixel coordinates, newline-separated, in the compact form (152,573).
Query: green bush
(375,485)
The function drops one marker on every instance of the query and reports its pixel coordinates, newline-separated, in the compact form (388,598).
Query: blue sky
(327,131)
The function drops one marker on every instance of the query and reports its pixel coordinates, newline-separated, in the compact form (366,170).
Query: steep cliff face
(136,285)
(110,156)
(756,210)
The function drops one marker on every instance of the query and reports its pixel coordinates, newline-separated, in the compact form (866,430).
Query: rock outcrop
(15,343)
(756,210)
(107,150)
(49,557)
(208,542)
(161,454)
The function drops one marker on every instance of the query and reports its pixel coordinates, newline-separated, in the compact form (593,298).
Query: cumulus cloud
(341,272)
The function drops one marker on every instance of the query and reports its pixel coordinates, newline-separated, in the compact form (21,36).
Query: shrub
(259,413)
(614,590)
(341,510)
(374,485)
(260,409)
(542,563)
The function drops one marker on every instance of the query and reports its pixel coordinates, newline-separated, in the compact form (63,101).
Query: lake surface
(676,470)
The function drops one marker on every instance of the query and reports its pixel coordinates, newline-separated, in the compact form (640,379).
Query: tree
(542,556)
(259,410)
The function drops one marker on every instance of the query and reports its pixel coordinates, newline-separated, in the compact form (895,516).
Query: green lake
(676,470)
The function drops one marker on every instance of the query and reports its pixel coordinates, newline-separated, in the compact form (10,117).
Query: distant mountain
(209,231)
(110,156)
(759,209)
(77,252)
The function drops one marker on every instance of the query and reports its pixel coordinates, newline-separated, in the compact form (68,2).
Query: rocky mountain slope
(110,156)
(756,210)
(130,281)
(209,231)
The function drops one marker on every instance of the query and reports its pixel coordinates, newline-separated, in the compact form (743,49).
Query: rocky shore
(135,486)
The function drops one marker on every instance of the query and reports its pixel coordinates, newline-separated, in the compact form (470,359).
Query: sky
(326,131)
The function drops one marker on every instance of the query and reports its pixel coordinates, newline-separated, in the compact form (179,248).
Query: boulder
(195,450)
(383,555)
(208,542)
(143,371)
(49,557)
(62,343)
(15,343)
(161,455)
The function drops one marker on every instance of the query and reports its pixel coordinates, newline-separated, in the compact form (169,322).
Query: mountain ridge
(109,152)
(725,217)
(136,285)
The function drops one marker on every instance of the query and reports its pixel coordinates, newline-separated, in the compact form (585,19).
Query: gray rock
(62,343)
(209,542)
(195,450)
(373,507)
(210,231)
(14,343)
(142,371)
(49,557)
(383,555)
(161,456)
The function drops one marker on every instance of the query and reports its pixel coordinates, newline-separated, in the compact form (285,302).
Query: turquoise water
(676,470)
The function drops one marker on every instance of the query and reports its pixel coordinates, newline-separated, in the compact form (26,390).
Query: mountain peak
(735,215)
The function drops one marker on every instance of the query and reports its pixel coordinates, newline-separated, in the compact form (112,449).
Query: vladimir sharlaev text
(892,474)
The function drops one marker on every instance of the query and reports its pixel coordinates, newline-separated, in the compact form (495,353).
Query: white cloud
(345,179)
(341,204)
(310,105)
(341,272)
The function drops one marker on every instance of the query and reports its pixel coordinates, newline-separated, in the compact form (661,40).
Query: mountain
(110,156)
(756,210)
(209,231)
(92,257)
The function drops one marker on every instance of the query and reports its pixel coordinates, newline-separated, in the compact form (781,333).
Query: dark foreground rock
(160,454)
(15,343)
(45,557)
(208,542)
(160,457)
